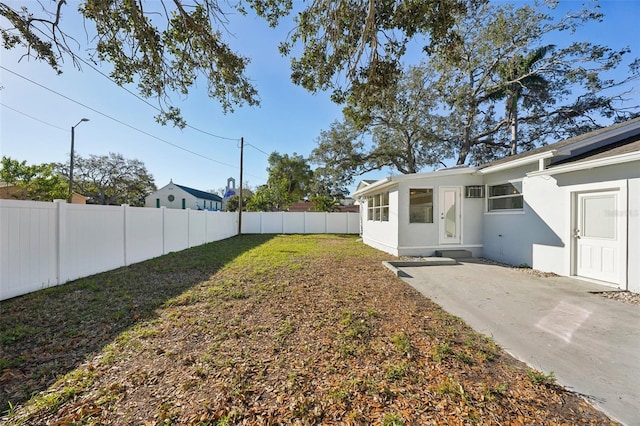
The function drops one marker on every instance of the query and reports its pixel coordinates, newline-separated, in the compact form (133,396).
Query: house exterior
(571,208)
(174,196)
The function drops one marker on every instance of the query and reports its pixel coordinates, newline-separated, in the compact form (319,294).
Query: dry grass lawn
(261,330)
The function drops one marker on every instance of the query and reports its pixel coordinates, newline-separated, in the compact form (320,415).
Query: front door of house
(450,214)
(597,236)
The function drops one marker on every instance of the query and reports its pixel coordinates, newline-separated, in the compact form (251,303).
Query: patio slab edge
(394,266)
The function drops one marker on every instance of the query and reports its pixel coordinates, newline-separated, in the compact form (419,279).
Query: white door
(597,234)
(450,215)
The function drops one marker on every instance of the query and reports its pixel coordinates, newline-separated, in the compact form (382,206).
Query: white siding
(382,235)
(422,239)
(541,235)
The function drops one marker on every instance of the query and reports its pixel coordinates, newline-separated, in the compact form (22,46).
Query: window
(421,205)
(474,191)
(507,196)
(378,207)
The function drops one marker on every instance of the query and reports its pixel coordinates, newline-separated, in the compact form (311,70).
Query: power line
(34,118)
(118,121)
(140,98)
(78,58)
(257,149)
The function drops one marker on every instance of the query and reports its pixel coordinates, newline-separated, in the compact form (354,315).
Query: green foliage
(502,56)
(402,343)
(357,46)
(111,179)
(163,50)
(540,378)
(289,181)
(441,352)
(234,201)
(398,130)
(325,203)
(167,47)
(264,200)
(391,419)
(496,90)
(35,182)
(397,371)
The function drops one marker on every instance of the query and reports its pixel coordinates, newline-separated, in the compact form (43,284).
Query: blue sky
(35,123)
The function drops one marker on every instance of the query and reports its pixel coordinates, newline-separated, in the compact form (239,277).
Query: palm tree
(520,78)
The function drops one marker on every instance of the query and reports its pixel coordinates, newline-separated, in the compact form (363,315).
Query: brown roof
(602,133)
(626,146)
(308,206)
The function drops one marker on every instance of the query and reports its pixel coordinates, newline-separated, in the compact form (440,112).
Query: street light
(71,161)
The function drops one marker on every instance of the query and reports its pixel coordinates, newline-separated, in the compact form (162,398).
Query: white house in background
(174,196)
(572,208)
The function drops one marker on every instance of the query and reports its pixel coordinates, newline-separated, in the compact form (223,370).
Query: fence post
(125,212)
(164,236)
(61,240)
(188,228)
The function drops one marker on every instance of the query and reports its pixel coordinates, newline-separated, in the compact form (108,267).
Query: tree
(323,203)
(361,41)
(233,202)
(289,180)
(165,48)
(111,179)
(447,106)
(530,87)
(398,130)
(38,182)
(491,58)
(327,183)
(264,200)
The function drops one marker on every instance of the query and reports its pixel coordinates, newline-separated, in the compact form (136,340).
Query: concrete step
(454,254)
(427,261)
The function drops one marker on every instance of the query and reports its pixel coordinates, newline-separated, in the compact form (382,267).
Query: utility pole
(73,128)
(240,191)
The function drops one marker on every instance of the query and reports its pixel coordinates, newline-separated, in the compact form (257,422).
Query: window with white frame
(421,205)
(506,196)
(378,207)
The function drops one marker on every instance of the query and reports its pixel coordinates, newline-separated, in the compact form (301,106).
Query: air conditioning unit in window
(474,191)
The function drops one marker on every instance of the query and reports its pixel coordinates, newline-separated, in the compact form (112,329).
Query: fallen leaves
(278,335)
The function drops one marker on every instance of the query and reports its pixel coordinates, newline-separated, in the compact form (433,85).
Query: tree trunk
(514,131)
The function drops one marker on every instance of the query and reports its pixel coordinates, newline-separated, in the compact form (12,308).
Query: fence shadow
(46,334)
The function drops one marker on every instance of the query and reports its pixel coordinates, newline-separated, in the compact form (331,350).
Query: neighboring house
(174,196)
(572,208)
(13,192)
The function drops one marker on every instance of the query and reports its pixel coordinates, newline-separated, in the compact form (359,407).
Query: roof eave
(376,185)
(589,164)
(535,158)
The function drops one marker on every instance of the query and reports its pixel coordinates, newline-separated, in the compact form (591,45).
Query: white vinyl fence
(46,244)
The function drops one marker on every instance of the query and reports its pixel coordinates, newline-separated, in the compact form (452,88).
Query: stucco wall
(423,239)
(633,242)
(541,235)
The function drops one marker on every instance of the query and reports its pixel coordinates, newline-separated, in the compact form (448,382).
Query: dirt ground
(261,330)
